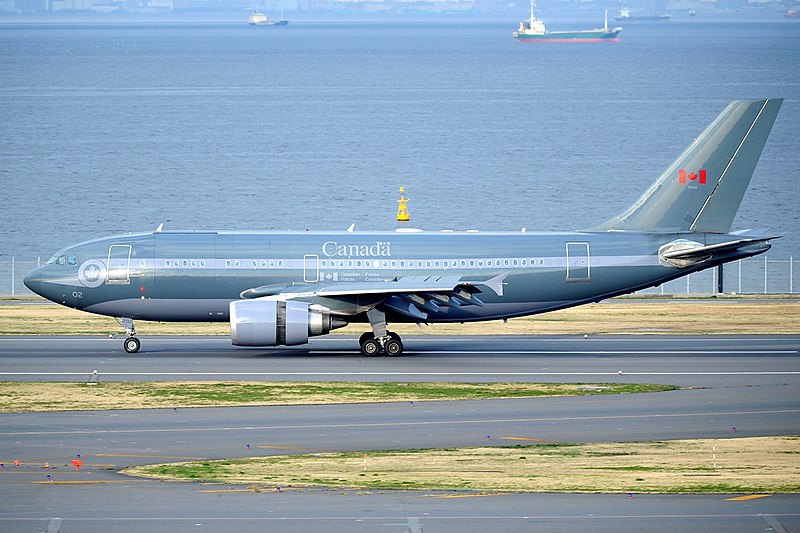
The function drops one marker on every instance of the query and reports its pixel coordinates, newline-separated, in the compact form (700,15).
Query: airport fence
(756,275)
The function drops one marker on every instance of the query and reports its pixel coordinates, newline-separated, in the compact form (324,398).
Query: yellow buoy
(402,207)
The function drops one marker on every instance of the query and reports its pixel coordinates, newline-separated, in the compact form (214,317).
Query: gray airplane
(280,288)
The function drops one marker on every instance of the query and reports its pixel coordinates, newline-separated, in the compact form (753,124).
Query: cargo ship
(260,19)
(534,30)
(624,14)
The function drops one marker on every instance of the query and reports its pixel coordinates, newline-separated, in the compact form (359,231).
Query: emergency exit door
(578,268)
(119,263)
(311,268)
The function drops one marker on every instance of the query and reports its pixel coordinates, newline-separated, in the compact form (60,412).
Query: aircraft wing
(413,296)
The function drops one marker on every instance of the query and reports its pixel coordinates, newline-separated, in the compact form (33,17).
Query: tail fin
(702,189)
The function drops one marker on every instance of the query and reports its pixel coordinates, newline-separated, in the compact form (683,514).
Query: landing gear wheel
(367,335)
(393,347)
(132,345)
(370,347)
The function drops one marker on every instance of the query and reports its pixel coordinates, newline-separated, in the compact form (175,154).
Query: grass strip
(744,465)
(60,396)
(619,316)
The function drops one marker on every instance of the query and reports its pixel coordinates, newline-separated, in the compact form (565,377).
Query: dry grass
(744,465)
(28,397)
(725,316)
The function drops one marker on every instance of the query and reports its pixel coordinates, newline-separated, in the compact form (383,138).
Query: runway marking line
(90,482)
(750,497)
(528,439)
(396,424)
(149,456)
(255,491)
(58,470)
(274,447)
(228,490)
(269,374)
(453,496)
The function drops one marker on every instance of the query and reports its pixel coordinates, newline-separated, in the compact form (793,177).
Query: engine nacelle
(277,323)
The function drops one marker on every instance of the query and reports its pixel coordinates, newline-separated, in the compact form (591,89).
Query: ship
(260,19)
(534,30)
(624,14)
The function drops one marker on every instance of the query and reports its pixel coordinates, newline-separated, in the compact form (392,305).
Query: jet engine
(277,323)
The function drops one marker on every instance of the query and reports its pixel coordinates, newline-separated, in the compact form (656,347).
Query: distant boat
(260,19)
(534,30)
(624,14)
(792,13)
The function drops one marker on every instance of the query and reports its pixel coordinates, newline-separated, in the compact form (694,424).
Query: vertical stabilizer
(702,189)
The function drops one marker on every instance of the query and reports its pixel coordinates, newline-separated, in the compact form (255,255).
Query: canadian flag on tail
(684,178)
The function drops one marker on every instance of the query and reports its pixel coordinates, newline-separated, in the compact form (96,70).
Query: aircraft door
(578,267)
(310,268)
(119,264)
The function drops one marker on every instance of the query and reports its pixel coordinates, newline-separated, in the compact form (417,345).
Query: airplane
(282,287)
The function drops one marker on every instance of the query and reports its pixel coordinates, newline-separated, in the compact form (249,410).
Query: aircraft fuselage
(193,276)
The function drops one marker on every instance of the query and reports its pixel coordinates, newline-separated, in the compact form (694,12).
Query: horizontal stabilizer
(683,253)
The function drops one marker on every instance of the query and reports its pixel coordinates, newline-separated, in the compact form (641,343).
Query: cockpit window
(63,260)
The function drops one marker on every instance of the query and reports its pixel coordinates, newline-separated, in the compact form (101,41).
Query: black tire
(365,337)
(132,345)
(371,347)
(393,347)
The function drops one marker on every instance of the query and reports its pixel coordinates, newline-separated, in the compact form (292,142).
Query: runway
(680,360)
(751,384)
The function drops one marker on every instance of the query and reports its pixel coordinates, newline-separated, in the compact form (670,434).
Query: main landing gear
(131,344)
(389,344)
(379,339)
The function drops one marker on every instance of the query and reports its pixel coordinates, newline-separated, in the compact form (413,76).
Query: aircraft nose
(34,281)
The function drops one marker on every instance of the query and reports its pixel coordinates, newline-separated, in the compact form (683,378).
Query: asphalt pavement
(745,382)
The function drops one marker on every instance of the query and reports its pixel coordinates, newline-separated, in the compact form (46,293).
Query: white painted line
(401,520)
(266,374)
(777,527)
(54,525)
(395,424)
(602,352)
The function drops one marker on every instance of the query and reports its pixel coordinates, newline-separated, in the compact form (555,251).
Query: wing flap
(413,296)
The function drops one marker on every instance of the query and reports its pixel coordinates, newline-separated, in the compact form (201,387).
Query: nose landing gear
(131,344)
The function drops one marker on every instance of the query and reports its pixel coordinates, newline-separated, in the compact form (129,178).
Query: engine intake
(278,323)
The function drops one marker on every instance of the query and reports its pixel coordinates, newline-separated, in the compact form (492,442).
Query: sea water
(121,127)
